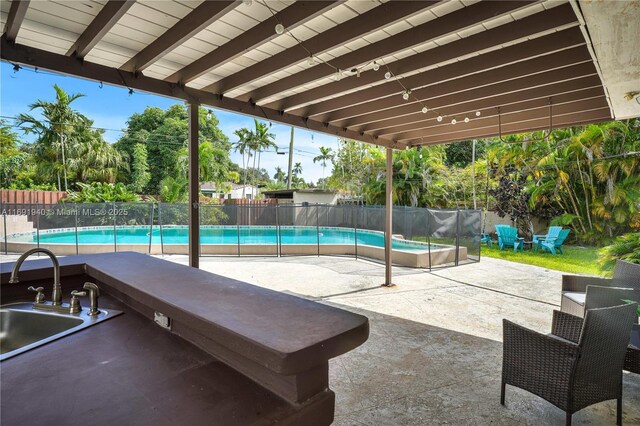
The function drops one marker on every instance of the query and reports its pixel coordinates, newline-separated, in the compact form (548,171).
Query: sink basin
(22,328)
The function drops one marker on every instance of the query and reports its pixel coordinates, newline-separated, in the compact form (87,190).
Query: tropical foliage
(165,133)
(66,149)
(626,247)
(99,192)
(587,177)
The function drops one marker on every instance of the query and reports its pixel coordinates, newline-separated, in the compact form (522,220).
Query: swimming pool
(235,240)
(212,235)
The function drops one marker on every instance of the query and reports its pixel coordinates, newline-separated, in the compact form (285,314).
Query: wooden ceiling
(479,63)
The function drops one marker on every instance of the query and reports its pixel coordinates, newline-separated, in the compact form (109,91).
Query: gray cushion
(579,298)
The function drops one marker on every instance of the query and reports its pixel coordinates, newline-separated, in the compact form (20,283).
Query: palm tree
(213,164)
(297,169)
(94,159)
(243,146)
(263,140)
(56,132)
(326,154)
(279,175)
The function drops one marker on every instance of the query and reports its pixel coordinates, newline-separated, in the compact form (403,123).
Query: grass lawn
(580,260)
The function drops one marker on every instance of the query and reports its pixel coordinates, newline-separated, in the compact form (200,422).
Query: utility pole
(290,159)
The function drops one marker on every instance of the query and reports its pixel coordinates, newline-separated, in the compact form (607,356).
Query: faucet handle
(39,295)
(74,303)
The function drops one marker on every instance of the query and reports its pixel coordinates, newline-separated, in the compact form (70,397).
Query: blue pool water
(222,235)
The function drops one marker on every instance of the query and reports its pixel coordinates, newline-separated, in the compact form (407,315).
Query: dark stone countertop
(128,371)
(284,333)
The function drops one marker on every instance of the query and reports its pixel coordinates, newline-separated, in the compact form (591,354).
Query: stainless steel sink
(22,328)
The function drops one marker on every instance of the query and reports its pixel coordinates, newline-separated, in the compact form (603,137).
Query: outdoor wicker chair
(577,365)
(574,287)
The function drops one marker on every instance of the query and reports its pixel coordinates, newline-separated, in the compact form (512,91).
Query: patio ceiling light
(454,121)
(311,61)
(387,75)
(376,66)
(425,109)
(279,29)
(439,118)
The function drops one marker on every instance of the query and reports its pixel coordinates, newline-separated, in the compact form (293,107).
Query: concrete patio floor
(435,350)
(434,355)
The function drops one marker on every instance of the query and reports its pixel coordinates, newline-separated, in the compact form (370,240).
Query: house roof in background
(234,186)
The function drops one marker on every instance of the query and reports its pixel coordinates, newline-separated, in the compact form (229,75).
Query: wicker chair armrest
(542,364)
(579,283)
(566,326)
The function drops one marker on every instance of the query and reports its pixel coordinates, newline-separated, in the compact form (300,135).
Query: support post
(473,173)
(388,220)
(194,190)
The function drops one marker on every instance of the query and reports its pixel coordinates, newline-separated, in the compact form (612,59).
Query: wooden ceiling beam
(34,57)
(370,21)
(481,65)
(587,85)
(570,78)
(195,21)
(16,15)
(447,24)
(561,104)
(493,38)
(507,119)
(108,16)
(569,120)
(561,59)
(291,17)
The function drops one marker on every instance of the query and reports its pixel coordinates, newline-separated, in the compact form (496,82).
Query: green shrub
(626,247)
(98,192)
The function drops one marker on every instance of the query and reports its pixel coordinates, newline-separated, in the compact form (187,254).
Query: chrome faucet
(56,295)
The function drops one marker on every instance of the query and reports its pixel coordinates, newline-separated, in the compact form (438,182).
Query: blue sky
(110,106)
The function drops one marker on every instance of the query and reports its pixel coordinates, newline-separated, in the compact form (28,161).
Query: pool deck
(434,355)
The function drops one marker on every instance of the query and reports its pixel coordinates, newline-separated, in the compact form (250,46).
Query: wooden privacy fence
(20,196)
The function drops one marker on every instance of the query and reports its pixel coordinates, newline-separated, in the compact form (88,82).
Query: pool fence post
(75,220)
(355,227)
(388,220)
(38,227)
(235,206)
(428,234)
(152,208)
(160,225)
(278,236)
(115,238)
(318,227)
(194,186)
(457,237)
(4,221)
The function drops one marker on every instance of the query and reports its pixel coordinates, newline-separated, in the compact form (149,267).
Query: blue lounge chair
(498,233)
(486,238)
(552,235)
(556,243)
(508,237)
